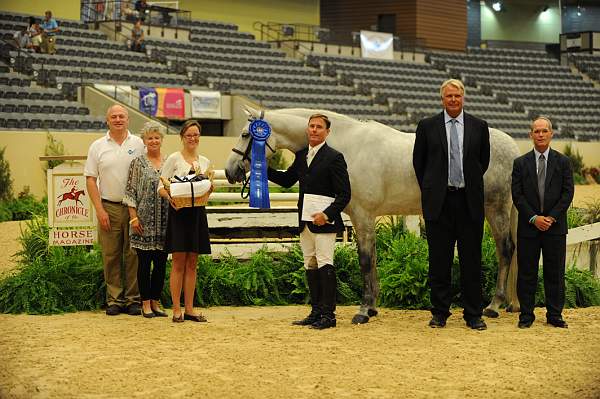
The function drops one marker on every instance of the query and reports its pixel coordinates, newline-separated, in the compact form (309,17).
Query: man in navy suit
(450,157)
(542,190)
(321,170)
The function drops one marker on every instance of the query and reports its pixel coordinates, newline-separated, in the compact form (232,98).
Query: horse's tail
(511,284)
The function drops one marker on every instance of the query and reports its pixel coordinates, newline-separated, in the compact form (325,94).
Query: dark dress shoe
(148,315)
(560,323)
(193,317)
(437,322)
(159,313)
(323,323)
(134,309)
(525,324)
(113,310)
(477,324)
(308,320)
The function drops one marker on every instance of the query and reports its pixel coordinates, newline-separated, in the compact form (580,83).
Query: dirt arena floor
(253,352)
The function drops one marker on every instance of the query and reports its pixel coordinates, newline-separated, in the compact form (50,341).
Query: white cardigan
(176,165)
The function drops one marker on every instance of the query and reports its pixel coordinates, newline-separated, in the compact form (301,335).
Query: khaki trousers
(117,255)
(317,248)
(47,45)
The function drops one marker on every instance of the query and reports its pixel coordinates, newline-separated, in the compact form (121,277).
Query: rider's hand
(319,218)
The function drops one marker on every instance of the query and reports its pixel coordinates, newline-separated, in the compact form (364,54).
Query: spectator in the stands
(35,33)
(128,11)
(22,40)
(50,29)
(137,37)
(143,8)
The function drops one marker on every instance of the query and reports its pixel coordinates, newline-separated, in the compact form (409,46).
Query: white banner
(576,42)
(377,45)
(71,216)
(206,104)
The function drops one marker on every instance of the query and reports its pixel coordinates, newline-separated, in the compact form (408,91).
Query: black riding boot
(314,289)
(328,290)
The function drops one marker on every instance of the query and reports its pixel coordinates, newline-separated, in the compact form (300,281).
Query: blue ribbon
(259,182)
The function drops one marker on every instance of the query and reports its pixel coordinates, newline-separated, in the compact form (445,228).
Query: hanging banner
(148,101)
(171,103)
(71,217)
(377,45)
(206,104)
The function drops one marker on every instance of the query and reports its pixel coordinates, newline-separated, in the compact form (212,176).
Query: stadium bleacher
(532,83)
(504,86)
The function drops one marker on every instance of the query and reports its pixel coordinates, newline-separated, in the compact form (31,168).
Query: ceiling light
(497,6)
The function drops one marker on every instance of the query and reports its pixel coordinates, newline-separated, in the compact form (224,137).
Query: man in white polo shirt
(106,171)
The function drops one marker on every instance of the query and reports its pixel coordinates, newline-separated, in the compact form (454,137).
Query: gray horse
(383,182)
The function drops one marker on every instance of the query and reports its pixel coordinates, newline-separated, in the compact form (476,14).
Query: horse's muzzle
(236,175)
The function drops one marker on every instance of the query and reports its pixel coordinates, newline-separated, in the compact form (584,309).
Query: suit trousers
(151,273)
(118,257)
(553,248)
(453,226)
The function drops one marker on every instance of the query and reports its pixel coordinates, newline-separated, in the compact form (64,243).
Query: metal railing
(151,15)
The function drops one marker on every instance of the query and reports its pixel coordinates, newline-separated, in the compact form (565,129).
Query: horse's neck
(292,132)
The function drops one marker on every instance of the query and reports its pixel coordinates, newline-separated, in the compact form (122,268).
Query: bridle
(246,157)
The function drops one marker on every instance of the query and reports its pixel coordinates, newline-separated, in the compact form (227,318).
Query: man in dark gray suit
(542,190)
(322,171)
(451,154)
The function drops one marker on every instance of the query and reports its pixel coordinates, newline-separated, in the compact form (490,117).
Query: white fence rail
(221,181)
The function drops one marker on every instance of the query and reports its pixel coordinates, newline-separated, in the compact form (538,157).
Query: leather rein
(246,156)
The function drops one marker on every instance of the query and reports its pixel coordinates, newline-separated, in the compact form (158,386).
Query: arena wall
(521,21)
(245,13)
(68,9)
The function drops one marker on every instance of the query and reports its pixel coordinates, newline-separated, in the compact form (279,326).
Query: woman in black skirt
(187,228)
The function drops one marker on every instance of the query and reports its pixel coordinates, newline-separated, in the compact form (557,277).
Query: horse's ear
(250,112)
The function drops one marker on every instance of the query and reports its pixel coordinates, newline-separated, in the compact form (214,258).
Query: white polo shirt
(109,162)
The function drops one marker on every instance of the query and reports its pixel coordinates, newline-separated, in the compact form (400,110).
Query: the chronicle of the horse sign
(70,211)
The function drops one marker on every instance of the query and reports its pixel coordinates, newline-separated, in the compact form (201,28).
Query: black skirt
(187,231)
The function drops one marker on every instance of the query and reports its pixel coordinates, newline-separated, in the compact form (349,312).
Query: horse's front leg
(365,233)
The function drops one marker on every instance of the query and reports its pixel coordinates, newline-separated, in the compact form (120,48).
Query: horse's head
(238,162)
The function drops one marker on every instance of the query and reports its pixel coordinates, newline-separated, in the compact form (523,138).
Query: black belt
(453,189)
(112,202)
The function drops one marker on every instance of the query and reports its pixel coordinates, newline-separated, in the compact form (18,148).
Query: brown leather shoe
(195,317)
(178,319)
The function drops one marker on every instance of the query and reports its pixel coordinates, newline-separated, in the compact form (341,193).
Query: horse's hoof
(372,312)
(360,319)
(490,313)
(512,308)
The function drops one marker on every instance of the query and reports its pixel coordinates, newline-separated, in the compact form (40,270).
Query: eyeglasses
(191,136)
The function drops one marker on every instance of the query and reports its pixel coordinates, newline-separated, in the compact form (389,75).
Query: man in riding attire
(322,172)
